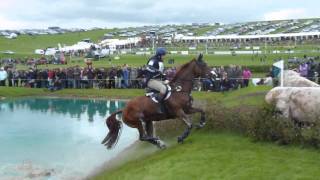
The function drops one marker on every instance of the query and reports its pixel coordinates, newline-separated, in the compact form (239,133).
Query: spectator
(23,78)
(112,77)
(133,78)
(31,78)
(70,78)
(125,75)
(232,76)
(61,76)
(90,75)
(10,76)
(84,78)
(119,78)
(16,77)
(101,78)
(51,78)
(225,84)
(238,76)
(303,70)
(3,77)
(311,70)
(246,75)
(77,77)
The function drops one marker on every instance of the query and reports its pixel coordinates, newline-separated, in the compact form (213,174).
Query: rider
(154,73)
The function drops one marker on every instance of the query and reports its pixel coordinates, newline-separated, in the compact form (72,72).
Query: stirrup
(160,98)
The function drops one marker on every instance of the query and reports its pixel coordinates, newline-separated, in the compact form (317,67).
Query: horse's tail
(115,127)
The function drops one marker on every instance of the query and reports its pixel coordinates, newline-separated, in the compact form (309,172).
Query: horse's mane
(181,70)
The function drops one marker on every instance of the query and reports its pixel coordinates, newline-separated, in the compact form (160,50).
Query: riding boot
(160,99)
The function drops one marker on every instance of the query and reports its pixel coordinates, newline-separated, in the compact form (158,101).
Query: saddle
(153,94)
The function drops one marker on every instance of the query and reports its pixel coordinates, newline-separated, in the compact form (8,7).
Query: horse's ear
(200,57)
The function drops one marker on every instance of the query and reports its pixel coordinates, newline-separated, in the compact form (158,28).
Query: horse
(141,111)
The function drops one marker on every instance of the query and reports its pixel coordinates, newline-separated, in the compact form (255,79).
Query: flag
(277,68)
(277,71)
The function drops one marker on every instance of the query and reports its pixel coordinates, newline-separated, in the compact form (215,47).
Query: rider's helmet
(161,51)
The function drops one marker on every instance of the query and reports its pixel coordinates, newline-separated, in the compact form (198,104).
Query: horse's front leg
(184,117)
(193,110)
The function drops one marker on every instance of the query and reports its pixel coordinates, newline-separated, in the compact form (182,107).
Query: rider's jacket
(154,68)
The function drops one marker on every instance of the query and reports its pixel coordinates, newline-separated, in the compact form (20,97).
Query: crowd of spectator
(227,78)
(56,59)
(308,67)
(220,79)
(74,77)
(310,70)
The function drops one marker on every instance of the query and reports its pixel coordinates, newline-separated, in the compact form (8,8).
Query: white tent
(238,37)
(79,46)
(113,43)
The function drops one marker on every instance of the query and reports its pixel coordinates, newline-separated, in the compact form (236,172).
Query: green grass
(251,95)
(20,92)
(207,155)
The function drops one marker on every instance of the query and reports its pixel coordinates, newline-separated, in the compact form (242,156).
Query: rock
(300,104)
(300,101)
(293,79)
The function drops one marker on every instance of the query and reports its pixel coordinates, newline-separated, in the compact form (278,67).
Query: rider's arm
(161,67)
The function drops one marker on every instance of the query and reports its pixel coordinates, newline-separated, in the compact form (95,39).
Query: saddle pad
(152,95)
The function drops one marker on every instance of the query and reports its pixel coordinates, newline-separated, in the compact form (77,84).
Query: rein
(175,86)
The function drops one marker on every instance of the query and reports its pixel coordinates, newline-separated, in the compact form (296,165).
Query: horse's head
(201,69)
(194,69)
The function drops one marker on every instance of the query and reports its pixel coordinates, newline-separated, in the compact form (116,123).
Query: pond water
(52,138)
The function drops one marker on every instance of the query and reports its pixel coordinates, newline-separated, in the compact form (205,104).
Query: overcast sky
(18,14)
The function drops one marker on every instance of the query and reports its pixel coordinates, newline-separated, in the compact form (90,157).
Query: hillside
(26,44)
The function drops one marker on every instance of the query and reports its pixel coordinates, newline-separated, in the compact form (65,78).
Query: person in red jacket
(51,76)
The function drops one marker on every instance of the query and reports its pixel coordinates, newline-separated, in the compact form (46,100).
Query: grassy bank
(207,155)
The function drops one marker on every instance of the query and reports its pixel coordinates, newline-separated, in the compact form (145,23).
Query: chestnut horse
(141,111)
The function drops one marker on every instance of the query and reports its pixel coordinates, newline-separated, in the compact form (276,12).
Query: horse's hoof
(180,140)
(200,126)
(161,144)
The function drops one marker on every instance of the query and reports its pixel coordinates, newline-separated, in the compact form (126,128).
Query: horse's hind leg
(150,129)
(146,134)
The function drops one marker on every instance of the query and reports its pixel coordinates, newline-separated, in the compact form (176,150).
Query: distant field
(212,60)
